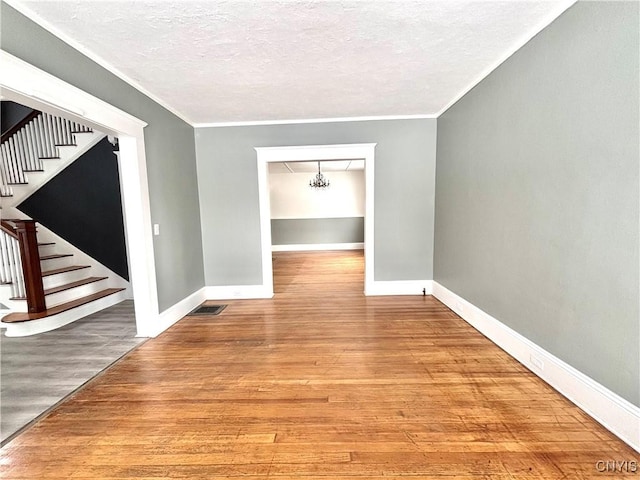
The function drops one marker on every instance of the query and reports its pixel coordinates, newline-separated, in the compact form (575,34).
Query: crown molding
(313,120)
(555,13)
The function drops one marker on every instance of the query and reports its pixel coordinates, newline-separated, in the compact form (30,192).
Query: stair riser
(63,278)
(46,250)
(75,293)
(56,263)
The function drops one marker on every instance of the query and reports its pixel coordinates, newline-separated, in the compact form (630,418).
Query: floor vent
(207,310)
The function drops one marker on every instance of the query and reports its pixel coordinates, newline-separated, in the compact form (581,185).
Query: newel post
(26,230)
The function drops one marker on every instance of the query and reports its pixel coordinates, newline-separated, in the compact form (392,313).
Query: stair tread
(67,286)
(56,255)
(24,317)
(44,244)
(56,271)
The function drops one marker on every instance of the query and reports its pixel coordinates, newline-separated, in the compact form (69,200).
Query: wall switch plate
(156,229)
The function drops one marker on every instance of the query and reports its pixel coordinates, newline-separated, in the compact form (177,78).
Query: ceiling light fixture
(319,181)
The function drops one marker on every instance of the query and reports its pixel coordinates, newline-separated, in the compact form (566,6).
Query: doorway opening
(25,84)
(308,153)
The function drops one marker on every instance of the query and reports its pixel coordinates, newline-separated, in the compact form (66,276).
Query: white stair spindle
(27,146)
(19,290)
(60,131)
(5,272)
(21,156)
(42,136)
(49,133)
(55,130)
(37,136)
(69,132)
(65,131)
(4,165)
(19,162)
(13,162)
(32,154)
(33,151)
(45,137)
(8,157)
(51,141)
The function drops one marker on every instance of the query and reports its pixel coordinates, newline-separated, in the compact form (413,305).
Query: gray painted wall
(537,193)
(404,194)
(169,141)
(301,231)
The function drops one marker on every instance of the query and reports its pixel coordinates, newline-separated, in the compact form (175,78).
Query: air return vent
(207,310)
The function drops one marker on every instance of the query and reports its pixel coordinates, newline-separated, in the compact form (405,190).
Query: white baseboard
(230,292)
(400,287)
(317,246)
(176,312)
(616,414)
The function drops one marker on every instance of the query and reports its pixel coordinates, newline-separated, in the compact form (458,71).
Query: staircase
(44,281)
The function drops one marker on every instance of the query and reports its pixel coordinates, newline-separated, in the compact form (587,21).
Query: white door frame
(307,153)
(26,84)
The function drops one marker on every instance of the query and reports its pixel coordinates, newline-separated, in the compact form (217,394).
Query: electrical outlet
(156,229)
(536,362)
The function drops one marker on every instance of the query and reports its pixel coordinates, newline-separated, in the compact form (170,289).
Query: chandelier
(319,181)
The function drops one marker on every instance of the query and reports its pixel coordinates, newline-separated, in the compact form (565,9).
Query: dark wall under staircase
(82,204)
(11,114)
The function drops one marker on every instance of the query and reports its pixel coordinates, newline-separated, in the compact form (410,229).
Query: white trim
(544,23)
(37,19)
(243,292)
(24,83)
(400,287)
(615,413)
(317,246)
(250,123)
(45,92)
(178,311)
(266,155)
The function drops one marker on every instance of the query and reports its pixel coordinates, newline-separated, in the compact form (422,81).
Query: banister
(9,228)
(9,133)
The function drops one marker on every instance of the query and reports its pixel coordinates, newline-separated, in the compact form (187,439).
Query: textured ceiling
(230,61)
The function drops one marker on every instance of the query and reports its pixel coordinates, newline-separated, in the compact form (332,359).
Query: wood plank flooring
(320,383)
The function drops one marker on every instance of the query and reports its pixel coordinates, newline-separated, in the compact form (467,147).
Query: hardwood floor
(319,382)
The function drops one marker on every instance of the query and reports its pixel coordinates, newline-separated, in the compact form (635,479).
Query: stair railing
(21,262)
(28,145)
